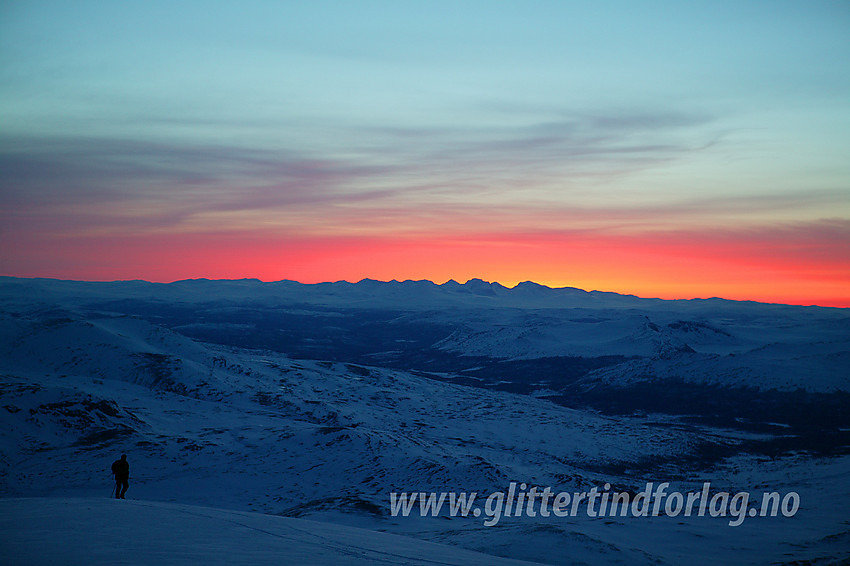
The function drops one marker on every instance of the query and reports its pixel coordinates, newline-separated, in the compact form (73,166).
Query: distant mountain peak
(529,285)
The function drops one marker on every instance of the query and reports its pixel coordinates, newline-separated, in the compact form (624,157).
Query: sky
(663,149)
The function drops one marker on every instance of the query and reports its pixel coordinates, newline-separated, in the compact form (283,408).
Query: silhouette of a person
(121,471)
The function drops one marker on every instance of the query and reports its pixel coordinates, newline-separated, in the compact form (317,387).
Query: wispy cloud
(164,183)
(71,170)
(381,180)
(571,144)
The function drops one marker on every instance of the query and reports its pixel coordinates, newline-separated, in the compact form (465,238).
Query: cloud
(95,182)
(570,143)
(534,173)
(411,164)
(69,169)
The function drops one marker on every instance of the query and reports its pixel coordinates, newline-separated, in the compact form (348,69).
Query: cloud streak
(167,182)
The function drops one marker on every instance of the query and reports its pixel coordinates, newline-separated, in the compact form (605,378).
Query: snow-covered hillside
(318,401)
(74,388)
(134,533)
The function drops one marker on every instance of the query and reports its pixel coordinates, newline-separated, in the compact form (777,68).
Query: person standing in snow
(121,471)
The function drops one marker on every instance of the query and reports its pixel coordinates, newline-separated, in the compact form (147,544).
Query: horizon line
(450,280)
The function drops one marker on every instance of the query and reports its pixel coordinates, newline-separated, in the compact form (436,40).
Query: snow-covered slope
(89,532)
(71,384)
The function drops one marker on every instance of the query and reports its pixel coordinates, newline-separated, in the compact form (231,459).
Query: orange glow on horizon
(669,267)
